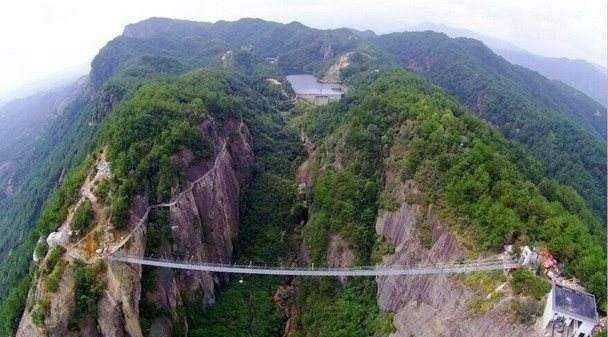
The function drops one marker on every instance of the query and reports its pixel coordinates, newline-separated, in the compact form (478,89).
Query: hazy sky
(44,38)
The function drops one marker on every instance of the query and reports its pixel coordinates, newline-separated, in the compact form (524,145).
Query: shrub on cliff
(88,287)
(524,282)
(83,217)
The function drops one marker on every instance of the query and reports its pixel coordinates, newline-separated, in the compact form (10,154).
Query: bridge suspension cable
(381,270)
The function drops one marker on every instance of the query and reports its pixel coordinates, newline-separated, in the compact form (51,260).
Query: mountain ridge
(585,76)
(394,142)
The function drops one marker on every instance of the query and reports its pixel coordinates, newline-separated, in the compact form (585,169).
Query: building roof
(575,303)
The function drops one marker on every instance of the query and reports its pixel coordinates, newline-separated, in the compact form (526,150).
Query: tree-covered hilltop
(60,147)
(559,125)
(268,205)
(480,181)
(562,128)
(158,117)
(294,47)
(143,133)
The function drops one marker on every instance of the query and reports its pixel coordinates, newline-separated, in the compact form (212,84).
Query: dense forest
(486,185)
(510,158)
(563,129)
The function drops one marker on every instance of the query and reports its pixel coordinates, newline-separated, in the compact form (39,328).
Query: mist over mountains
(589,78)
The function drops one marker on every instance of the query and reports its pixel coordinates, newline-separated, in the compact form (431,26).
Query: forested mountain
(22,124)
(564,129)
(42,150)
(296,47)
(590,79)
(199,116)
(556,123)
(586,77)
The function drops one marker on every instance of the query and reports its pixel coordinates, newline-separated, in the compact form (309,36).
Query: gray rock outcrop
(437,305)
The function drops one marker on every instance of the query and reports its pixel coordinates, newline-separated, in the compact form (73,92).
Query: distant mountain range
(46,85)
(587,77)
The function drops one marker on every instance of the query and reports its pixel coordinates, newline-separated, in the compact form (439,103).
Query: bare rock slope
(437,305)
(204,222)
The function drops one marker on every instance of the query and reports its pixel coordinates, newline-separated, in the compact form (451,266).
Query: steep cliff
(420,230)
(427,172)
(75,293)
(203,222)
(437,305)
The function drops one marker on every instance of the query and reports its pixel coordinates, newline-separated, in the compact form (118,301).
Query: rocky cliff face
(286,300)
(334,73)
(399,228)
(50,312)
(438,305)
(203,220)
(340,254)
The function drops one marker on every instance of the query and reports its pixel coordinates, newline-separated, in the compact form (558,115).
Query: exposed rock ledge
(340,253)
(431,306)
(204,221)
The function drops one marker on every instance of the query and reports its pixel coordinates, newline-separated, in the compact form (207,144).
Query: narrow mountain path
(85,247)
(144,218)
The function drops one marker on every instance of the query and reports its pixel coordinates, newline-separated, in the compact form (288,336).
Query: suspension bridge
(379,270)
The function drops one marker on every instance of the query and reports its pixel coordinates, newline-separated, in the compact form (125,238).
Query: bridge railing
(376,270)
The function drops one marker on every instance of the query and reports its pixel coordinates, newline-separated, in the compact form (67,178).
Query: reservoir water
(306,84)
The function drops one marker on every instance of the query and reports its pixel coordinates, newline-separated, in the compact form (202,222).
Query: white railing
(380,270)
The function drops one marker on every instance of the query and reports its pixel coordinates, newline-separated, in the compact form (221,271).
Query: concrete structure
(569,313)
(528,257)
(308,88)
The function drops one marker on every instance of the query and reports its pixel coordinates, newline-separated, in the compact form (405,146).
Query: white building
(528,257)
(569,313)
